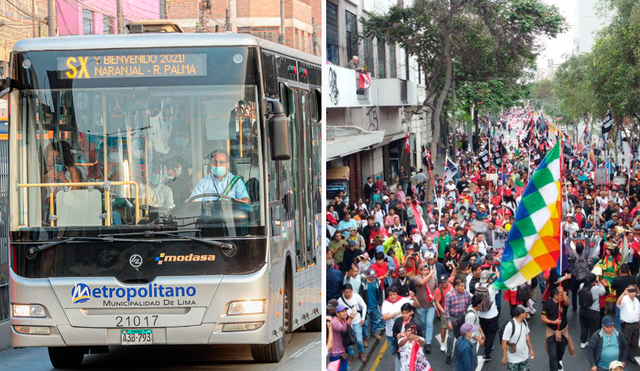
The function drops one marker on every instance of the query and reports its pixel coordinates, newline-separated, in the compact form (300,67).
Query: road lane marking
(299,352)
(379,357)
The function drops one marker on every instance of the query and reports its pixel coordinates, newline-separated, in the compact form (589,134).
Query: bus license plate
(136,337)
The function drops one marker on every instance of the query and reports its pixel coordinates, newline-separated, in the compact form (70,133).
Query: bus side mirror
(286,98)
(5,87)
(278,131)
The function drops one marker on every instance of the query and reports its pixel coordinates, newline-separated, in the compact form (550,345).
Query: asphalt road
(301,353)
(580,362)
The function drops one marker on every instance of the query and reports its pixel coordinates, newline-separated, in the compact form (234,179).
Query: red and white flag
(407,145)
(365,80)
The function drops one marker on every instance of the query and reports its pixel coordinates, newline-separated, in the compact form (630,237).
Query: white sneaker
(443,347)
(583,345)
(561,366)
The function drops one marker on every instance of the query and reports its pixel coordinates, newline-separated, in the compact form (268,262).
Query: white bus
(163,189)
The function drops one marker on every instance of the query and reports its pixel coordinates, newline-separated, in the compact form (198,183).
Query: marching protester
(438,241)
(606,346)
(630,317)
(516,342)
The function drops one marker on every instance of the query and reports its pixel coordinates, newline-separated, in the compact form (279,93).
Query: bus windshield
(181,157)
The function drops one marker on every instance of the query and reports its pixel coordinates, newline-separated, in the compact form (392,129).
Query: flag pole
(559,138)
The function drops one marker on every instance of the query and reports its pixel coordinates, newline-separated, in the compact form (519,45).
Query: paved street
(383,361)
(302,353)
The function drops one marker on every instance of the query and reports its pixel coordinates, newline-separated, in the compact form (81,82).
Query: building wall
(587,22)
(17,23)
(70,14)
(301,19)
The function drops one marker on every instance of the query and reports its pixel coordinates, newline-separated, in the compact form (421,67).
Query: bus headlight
(246,307)
(247,326)
(28,310)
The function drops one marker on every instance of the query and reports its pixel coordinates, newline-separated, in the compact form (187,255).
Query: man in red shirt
(381,267)
(445,284)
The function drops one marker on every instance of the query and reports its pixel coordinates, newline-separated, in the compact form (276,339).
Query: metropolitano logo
(80,293)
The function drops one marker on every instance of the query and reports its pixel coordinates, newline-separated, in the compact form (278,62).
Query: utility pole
(314,37)
(51,18)
(33,18)
(163,9)
(119,15)
(453,152)
(281,37)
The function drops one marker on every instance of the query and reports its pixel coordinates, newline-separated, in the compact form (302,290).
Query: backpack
(483,291)
(585,298)
(457,322)
(513,326)
(524,293)
(581,268)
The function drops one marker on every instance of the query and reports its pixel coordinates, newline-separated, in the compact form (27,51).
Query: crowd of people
(407,264)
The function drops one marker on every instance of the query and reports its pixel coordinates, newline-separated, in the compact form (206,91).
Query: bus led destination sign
(137,65)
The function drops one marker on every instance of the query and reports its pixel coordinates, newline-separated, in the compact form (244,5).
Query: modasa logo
(80,293)
(163,258)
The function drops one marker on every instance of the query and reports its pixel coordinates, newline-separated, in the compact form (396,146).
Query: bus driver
(221,181)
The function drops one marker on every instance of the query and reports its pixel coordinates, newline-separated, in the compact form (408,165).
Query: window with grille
(332,33)
(107,25)
(382,60)
(352,34)
(392,61)
(267,33)
(368,54)
(87,22)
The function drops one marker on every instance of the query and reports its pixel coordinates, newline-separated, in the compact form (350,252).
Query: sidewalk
(5,335)
(369,352)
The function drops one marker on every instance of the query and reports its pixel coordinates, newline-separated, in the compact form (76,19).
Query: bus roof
(156,40)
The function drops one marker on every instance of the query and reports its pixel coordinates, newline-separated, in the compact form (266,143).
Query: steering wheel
(208,194)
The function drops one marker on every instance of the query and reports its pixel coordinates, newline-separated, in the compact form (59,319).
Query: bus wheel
(270,353)
(66,357)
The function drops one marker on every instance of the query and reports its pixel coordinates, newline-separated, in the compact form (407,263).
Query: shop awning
(345,140)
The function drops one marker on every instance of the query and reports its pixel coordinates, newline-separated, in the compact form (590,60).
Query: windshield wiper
(228,249)
(34,250)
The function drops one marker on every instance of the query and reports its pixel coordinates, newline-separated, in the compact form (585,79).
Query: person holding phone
(629,306)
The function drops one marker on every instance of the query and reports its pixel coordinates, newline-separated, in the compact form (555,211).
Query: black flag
(607,125)
(484,158)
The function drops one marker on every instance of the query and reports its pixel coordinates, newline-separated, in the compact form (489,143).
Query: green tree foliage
(481,42)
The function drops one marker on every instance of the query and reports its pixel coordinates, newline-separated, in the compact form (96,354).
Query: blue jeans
(618,324)
(358,329)
(343,363)
(393,346)
(427,316)
(374,317)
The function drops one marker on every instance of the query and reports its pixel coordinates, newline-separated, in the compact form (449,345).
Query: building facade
(369,114)
(587,23)
(299,20)
(23,19)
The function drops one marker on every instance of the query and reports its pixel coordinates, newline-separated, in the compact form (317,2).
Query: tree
(473,40)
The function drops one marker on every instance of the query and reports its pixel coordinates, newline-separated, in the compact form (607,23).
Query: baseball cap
(380,248)
(340,308)
(520,309)
(466,327)
(384,198)
(402,270)
(352,243)
(372,274)
(332,304)
(410,247)
(378,177)
(441,229)
(432,226)
(607,321)
(376,225)
(615,364)
(423,265)
(430,255)
(443,278)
